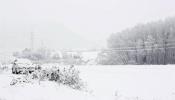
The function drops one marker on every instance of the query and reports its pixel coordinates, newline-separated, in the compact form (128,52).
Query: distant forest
(150,43)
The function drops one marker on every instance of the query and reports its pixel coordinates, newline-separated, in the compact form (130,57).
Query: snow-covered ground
(103,83)
(131,82)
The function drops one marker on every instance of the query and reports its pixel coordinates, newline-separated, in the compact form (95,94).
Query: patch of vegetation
(67,75)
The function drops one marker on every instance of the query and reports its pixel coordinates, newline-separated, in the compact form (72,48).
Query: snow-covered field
(131,82)
(103,83)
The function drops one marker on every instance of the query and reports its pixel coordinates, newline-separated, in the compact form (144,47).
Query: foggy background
(70,24)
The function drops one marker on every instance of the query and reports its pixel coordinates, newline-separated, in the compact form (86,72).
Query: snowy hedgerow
(66,75)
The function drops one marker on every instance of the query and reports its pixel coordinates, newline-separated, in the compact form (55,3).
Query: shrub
(3,68)
(70,76)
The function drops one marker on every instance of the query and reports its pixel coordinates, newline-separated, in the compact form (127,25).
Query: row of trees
(151,43)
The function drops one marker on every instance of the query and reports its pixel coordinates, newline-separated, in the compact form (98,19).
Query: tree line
(150,43)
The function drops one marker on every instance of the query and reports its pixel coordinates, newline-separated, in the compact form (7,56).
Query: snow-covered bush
(19,80)
(70,76)
(66,75)
(3,68)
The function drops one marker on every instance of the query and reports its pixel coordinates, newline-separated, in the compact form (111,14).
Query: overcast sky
(73,23)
